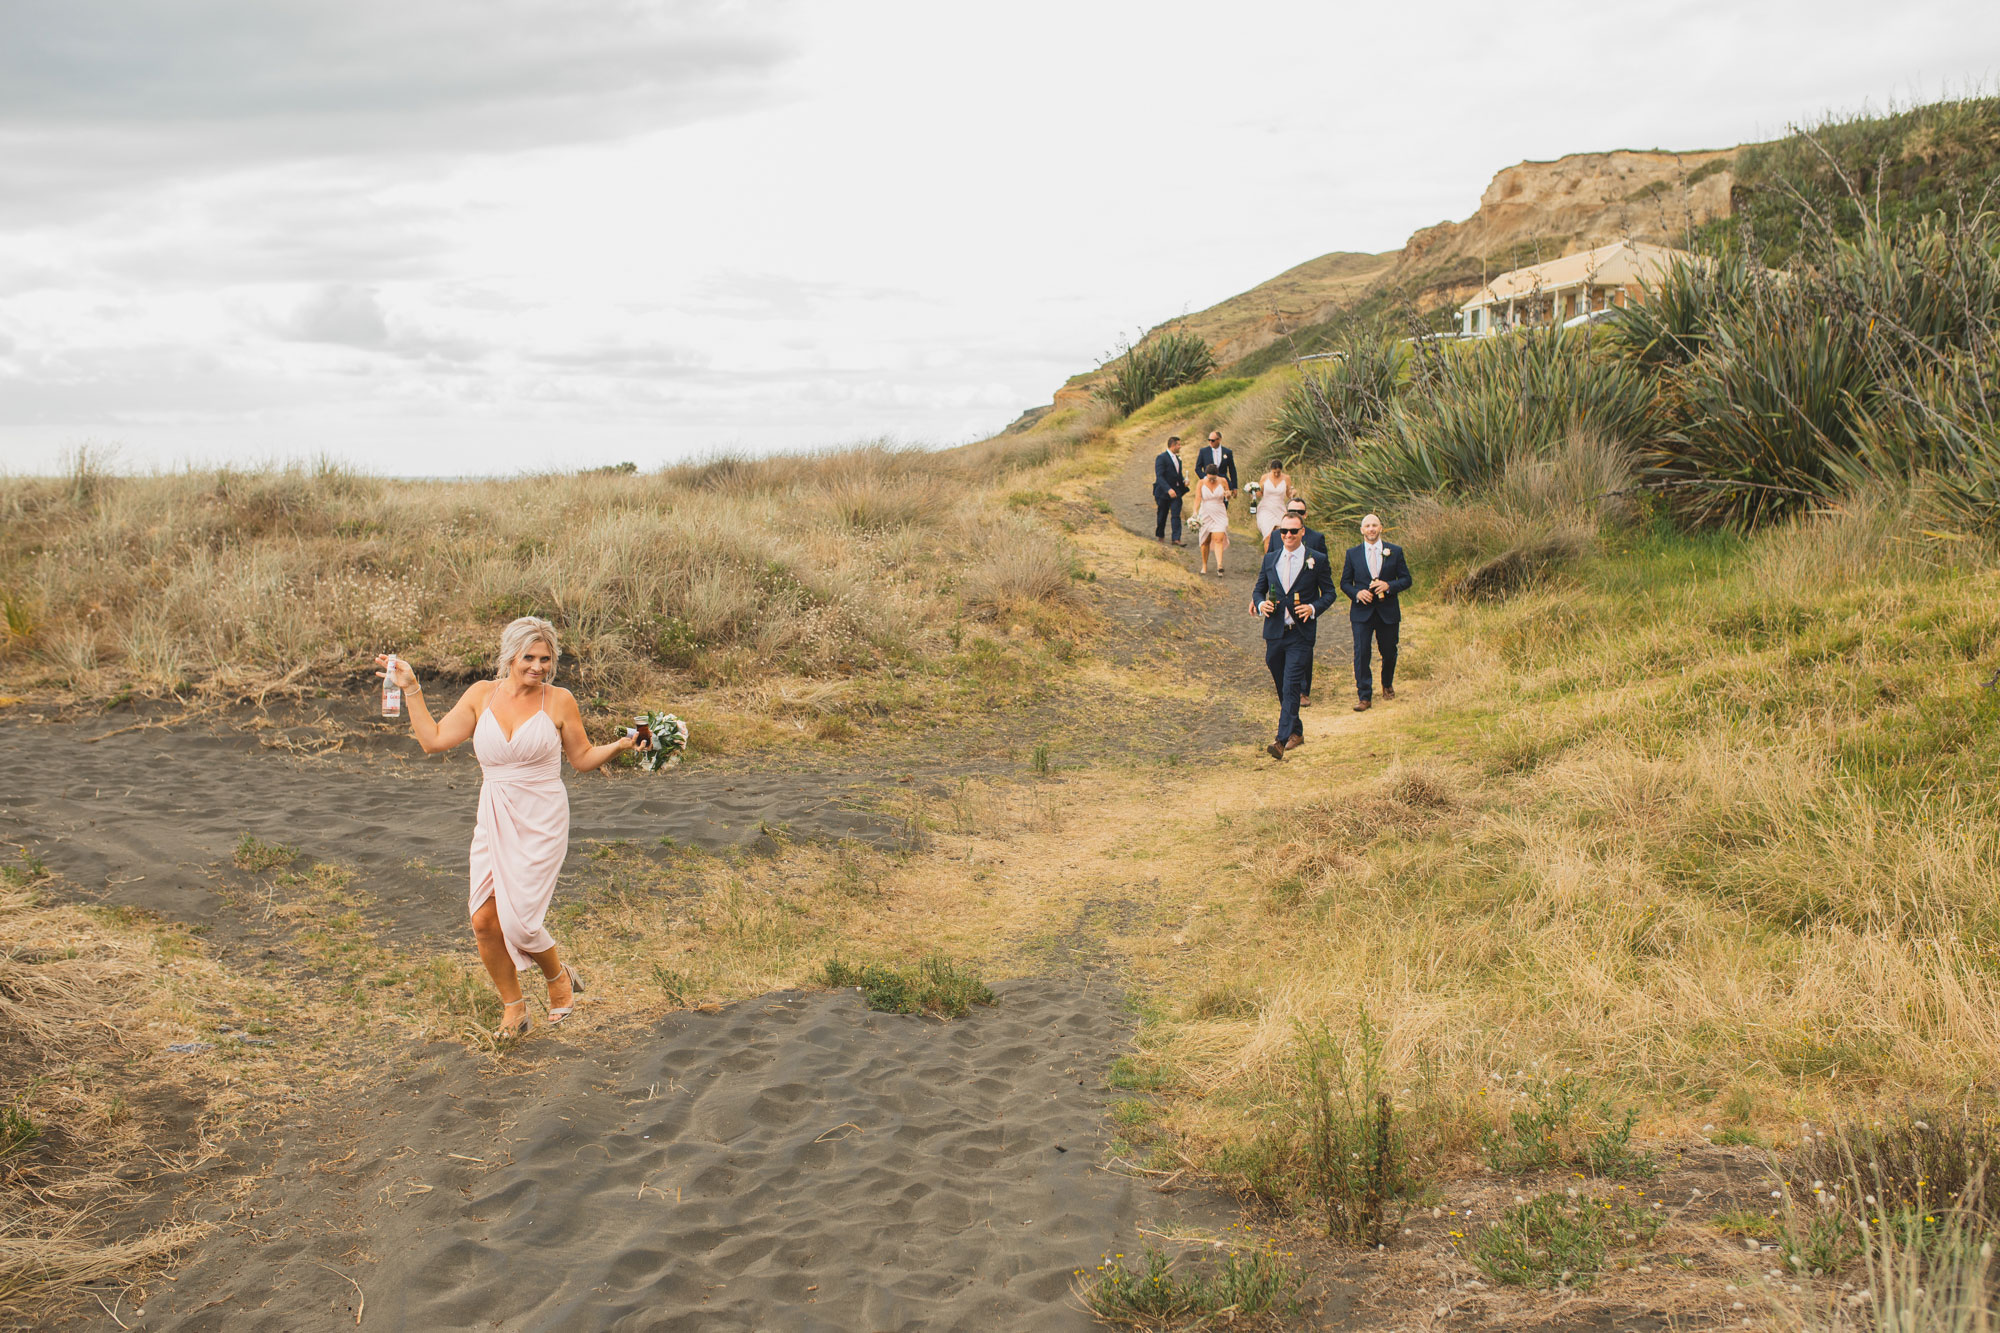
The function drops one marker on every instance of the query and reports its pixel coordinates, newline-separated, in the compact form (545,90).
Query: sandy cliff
(1530,212)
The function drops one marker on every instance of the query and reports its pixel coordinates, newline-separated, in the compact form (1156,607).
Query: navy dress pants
(1289,656)
(1384,637)
(1169,509)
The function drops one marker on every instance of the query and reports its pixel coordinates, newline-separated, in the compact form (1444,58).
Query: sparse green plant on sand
(936,986)
(1160,1294)
(1559,1239)
(253,853)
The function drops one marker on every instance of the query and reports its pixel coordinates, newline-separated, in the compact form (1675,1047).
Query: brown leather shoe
(1361,707)
(1305,701)
(1295,742)
(1388,694)
(1275,750)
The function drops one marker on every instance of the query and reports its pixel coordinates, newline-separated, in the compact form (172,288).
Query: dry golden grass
(234,584)
(74,995)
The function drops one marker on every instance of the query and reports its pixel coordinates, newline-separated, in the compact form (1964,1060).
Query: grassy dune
(222,585)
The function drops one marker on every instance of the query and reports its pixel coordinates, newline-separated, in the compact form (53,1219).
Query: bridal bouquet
(1255,490)
(663,739)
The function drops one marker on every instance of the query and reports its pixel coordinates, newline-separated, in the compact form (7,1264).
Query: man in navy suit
(1313,541)
(1169,485)
(1373,576)
(1293,588)
(1215,459)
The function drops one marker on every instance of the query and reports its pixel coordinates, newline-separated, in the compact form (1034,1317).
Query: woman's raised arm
(436,737)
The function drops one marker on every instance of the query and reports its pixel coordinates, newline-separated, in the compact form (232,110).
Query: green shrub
(1767,410)
(934,986)
(1565,1125)
(1336,403)
(1330,1145)
(1493,401)
(1559,1240)
(1239,1286)
(1165,361)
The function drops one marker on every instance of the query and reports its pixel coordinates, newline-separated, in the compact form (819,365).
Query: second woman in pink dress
(521,726)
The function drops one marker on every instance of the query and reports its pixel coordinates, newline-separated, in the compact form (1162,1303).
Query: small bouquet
(663,739)
(1255,490)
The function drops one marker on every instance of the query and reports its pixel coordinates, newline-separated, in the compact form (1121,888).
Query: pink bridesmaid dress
(522,835)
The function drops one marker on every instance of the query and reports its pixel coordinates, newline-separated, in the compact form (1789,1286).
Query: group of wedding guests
(1297,582)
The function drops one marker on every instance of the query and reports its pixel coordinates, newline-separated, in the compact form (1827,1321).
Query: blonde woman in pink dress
(521,726)
(1278,491)
(1213,510)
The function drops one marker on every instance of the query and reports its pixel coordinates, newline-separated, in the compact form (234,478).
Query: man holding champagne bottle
(1293,588)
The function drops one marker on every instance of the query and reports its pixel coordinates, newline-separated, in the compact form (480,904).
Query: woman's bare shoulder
(562,698)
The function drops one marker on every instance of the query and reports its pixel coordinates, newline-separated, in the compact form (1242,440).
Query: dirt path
(791,1161)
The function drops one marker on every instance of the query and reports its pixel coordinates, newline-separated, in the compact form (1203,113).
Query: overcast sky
(448,236)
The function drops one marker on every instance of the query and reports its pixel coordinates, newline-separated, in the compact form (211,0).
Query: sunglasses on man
(1291,532)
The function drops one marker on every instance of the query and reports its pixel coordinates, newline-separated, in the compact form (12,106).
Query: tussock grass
(935,986)
(1709,818)
(230,583)
(73,994)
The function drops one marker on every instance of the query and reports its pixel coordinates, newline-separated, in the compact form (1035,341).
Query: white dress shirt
(1290,565)
(1373,550)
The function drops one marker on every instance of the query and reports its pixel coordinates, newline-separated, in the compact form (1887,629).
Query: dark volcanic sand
(150,818)
(793,1162)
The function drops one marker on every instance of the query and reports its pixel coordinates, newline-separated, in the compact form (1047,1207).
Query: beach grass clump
(1907,1161)
(253,853)
(1163,361)
(1560,1239)
(1158,1293)
(935,986)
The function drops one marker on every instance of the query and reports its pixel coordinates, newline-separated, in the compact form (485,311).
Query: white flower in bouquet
(669,740)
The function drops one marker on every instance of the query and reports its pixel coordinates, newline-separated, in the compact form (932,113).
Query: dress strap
(545,696)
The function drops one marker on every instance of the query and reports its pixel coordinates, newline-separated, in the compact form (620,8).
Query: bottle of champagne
(392,693)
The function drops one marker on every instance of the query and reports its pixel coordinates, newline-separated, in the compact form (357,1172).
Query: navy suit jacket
(1167,477)
(1315,584)
(1206,462)
(1354,578)
(1312,539)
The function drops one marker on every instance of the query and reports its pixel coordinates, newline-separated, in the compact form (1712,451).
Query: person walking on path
(521,726)
(1278,492)
(1293,588)
(1313,541)
(1216,461)
(1213,493)
(1373,575)
(1169,485)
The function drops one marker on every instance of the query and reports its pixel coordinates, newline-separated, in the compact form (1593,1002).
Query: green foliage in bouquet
(670,741)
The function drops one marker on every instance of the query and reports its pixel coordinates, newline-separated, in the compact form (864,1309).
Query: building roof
(1619,264)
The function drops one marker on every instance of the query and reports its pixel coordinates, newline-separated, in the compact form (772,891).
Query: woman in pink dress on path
(521,726)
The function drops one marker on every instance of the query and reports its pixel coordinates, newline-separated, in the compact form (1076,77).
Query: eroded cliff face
(1544,210)
(1531,212)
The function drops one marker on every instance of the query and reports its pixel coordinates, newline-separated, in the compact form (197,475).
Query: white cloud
(448,236)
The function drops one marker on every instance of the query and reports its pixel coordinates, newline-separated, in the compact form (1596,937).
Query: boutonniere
(1309,562)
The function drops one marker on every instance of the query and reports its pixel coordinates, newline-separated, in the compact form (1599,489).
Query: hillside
(1529,212)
